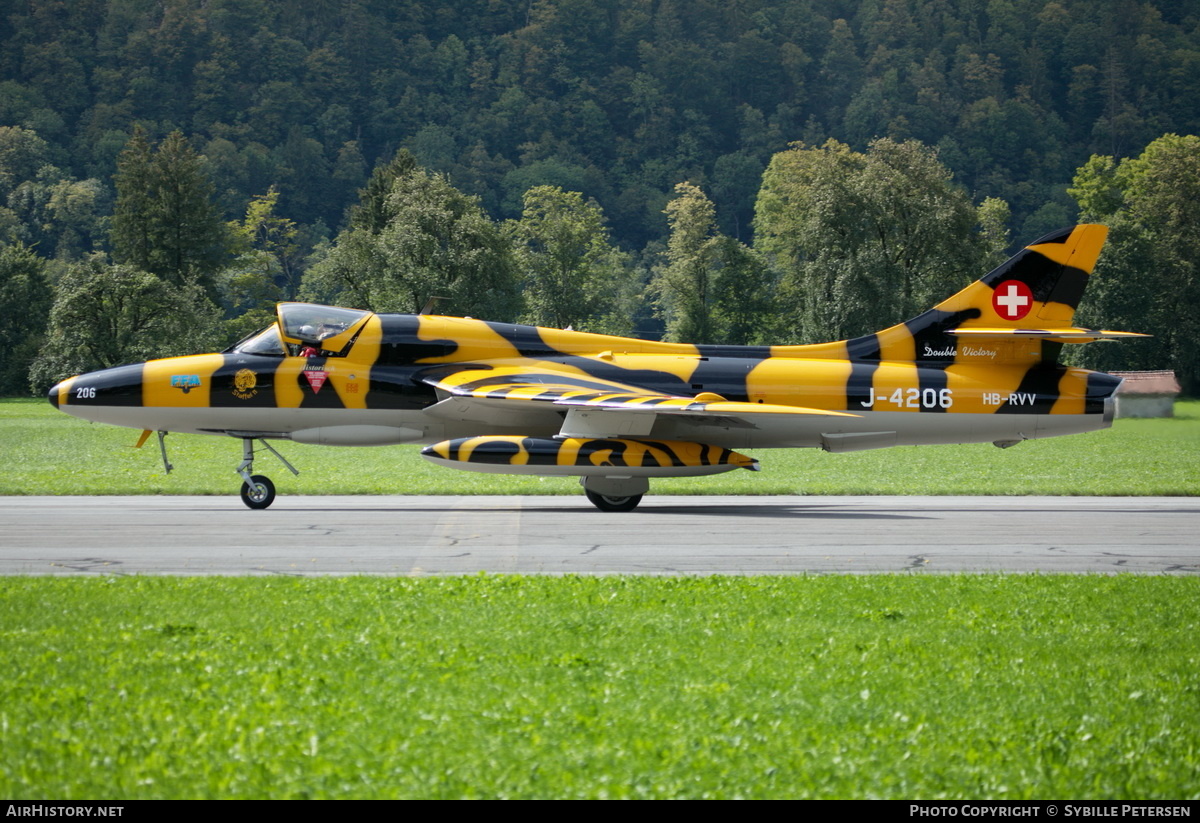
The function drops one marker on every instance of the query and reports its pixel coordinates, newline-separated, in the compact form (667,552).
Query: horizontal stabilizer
(1068,335)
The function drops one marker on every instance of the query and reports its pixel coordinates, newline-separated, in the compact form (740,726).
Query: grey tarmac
(420,535)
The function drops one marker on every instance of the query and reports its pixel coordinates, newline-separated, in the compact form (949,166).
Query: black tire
(613,504)
(261,495)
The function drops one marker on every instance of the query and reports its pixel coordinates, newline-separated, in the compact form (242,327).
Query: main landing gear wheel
(259,492)
(606,503)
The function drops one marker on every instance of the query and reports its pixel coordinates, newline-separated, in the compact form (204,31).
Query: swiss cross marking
(1012,300)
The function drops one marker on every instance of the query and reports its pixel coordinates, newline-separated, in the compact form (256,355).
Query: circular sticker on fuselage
(1012,300)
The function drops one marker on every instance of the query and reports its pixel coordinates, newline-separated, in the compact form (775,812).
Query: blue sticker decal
(187,382)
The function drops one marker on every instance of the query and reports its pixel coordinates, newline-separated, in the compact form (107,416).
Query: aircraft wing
(510,395)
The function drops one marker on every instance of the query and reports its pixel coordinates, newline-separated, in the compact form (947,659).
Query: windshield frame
(267,335)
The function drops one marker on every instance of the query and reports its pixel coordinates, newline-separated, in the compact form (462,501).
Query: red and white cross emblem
(1012,300)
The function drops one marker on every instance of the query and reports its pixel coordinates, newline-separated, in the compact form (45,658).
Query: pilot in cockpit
(308,333)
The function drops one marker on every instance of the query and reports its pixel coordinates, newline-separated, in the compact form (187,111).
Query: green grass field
(970,686)
(877,686)
(50,453)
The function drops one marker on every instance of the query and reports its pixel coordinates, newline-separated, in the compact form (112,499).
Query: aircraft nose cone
(119,386)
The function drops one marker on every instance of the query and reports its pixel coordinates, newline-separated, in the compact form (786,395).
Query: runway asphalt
(560,535)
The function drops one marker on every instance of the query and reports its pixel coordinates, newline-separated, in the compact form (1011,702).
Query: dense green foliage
(980,687)
(437,242)
(139,129)
(620,99)
(574,277)
(1152,269)
(165,221)
(711,288)
(25,299)
(864,240)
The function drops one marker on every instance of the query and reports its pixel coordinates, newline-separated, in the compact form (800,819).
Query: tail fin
(1040,285)
(1021,312)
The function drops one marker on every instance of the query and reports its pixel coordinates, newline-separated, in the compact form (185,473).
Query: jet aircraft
(981,366)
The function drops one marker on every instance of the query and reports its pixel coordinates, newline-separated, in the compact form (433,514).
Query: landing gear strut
(258,492)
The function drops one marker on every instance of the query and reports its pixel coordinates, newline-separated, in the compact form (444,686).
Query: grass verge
(50,453)
(496,686)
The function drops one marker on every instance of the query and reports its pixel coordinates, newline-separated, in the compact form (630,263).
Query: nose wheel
(258,492)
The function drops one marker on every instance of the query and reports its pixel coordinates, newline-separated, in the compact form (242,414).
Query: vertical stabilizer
(1014,311)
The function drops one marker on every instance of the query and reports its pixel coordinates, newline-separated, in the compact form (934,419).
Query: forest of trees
(740,171)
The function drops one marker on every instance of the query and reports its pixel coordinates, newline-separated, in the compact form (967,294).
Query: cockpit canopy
(322,326)
(326,329)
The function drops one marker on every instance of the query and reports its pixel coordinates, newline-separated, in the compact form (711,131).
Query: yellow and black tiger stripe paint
(575,455)
(990,350)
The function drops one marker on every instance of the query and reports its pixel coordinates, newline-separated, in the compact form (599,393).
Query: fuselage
(375,389)
(981,365)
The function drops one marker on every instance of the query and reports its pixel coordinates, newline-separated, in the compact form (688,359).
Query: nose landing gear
(258,492)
